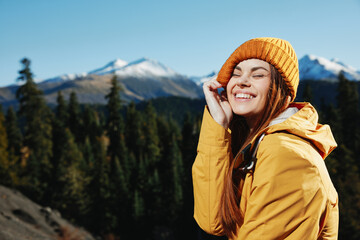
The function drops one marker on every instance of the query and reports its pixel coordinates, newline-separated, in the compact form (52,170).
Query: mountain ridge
(146,78)
(312,67)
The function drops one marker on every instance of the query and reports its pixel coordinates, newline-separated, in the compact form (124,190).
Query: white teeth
(243,95)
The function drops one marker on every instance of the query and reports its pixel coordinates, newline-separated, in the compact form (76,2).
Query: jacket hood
(304,123)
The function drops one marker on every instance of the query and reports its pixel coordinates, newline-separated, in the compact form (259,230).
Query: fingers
(210,89)
(218,104)
(223,96)
(211,85)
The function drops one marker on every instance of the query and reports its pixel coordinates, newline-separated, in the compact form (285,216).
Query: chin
(242,111)
(247,113)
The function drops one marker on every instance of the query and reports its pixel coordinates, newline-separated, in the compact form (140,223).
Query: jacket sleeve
(208,173)
(287,197)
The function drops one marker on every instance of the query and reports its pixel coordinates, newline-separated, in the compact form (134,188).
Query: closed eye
(259,76)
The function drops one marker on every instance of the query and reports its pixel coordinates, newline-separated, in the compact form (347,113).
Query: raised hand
(218,104)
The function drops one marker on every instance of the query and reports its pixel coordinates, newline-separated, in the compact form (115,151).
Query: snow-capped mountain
(318,68)
(140,80)
(64,78)
(145,67)
(109,68)
(146,78)
(200,80)
(311,67)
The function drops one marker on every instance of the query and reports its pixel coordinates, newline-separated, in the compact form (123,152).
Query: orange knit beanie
(275,51)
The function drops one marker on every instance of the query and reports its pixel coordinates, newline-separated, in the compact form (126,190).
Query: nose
(243,81)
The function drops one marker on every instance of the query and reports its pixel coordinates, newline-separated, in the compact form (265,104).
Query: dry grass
(68,233)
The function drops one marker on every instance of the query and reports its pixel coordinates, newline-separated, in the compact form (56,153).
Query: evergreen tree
(149,161)
(345,175)
(37,136)
(70,197)
(333,119)
(120,166)
(151,149)
(139,206)
(120,199)
(14,146)
(13,132)
(61,136)
(165,135)
(115,123)
(342,164)
(189,141)
(92,130)
(4,160)
(307,95)
(74,120)
(91,125)
(134,136)
(178,176)
(59,130)
(88,153)
(101,216)
(61,111)
(121,183)
(140,203)
(348,104)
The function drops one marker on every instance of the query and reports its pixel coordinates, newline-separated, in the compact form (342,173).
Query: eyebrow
(253,69)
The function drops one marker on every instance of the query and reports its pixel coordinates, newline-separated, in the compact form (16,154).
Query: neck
(251,122)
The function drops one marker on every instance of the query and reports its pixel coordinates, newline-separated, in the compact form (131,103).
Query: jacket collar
(303,122)
(284,115)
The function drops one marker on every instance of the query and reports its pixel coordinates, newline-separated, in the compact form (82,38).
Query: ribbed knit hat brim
(275,51)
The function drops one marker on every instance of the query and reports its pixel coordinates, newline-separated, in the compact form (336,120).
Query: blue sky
(192,37)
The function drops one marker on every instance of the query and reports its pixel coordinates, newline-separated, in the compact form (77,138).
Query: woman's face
(247,90)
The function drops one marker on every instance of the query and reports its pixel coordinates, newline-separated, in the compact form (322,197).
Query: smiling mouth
(244,96)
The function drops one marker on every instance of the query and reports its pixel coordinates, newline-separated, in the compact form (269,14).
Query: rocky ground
(20,218)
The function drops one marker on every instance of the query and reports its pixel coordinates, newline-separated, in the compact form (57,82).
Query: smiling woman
(248,88)
(259,172)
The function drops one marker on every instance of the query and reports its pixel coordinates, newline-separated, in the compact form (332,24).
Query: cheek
(228,89)
(229,86)
(264,88)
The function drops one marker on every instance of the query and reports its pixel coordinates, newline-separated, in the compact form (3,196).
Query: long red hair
(277,102)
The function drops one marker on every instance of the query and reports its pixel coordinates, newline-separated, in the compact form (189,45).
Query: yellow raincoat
(289,195)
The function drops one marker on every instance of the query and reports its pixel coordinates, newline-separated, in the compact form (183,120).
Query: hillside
(20,218)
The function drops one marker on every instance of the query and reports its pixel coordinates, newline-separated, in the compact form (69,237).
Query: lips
(244,96)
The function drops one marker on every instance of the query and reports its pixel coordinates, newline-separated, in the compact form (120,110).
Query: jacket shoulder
(279,147)
(286,193)
(288,155)
(287,159)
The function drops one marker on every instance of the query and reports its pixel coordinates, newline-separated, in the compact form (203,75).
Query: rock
(20,218)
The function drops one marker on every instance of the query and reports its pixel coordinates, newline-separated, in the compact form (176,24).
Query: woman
(259,172)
